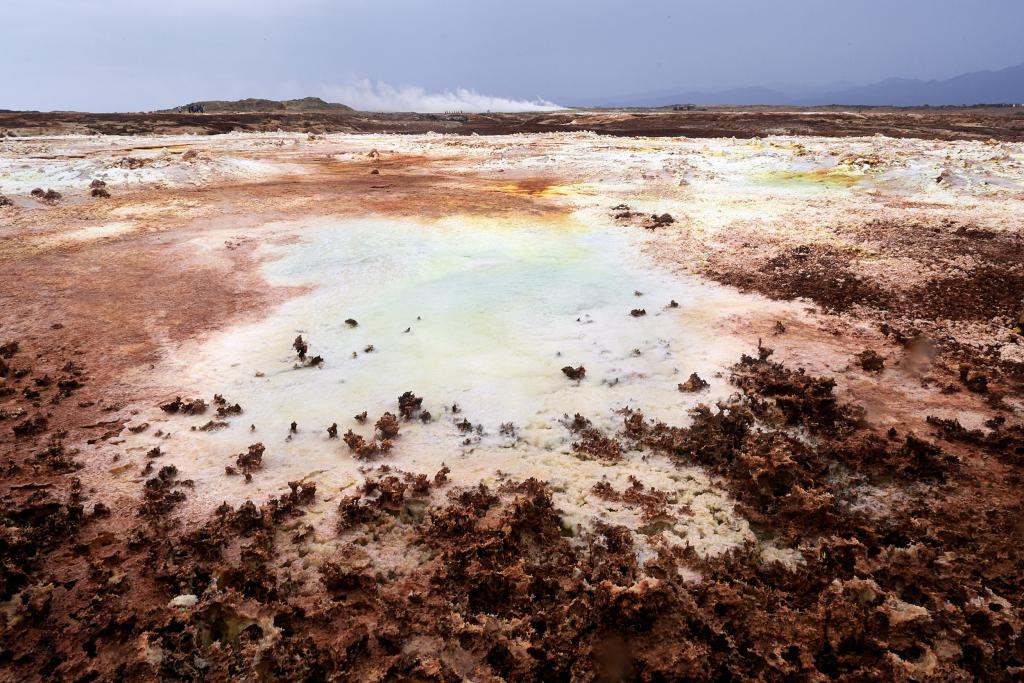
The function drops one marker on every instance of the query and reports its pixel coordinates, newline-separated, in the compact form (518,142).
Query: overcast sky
(105,55)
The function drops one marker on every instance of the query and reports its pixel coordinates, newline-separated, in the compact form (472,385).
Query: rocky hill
(252,104)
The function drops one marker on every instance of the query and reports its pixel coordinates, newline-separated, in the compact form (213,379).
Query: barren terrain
(740,399)
(952,123)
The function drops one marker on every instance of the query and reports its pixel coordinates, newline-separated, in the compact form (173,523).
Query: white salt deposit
(479,314)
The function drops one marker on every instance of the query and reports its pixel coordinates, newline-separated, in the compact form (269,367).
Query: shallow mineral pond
(476,314)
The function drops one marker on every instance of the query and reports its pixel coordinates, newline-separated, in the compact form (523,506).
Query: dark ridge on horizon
(259,105)
(1005,86)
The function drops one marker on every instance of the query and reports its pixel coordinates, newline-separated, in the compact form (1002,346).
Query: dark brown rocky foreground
(931,589)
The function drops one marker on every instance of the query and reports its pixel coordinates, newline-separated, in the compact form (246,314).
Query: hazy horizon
(122,55)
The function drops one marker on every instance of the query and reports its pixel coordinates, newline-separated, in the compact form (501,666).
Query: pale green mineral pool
(482,314)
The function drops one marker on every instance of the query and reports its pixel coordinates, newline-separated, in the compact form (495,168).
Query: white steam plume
(379,96)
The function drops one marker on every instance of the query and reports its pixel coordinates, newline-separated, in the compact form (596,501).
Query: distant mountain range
(252,104)
(1005,86)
